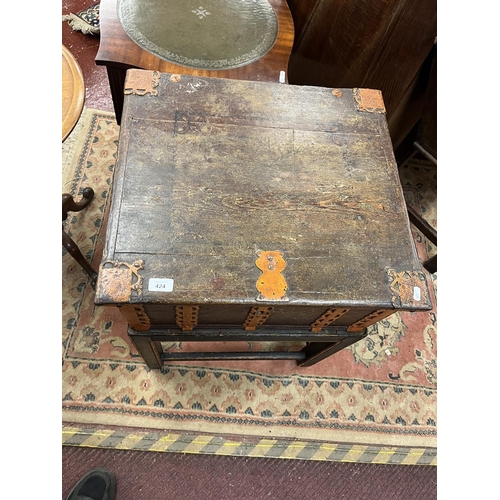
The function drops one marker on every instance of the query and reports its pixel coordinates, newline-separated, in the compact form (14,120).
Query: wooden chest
(248,210)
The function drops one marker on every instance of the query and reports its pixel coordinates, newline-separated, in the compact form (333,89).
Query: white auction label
(416,293)
(161,285)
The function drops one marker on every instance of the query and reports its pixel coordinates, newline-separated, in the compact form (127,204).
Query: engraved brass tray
(201,34)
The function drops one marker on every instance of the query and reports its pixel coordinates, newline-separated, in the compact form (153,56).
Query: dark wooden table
(117,52)
(255,211)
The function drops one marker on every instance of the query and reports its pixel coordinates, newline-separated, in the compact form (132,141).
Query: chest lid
(234,191)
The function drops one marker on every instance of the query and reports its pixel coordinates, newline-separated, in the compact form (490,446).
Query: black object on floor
(97,484)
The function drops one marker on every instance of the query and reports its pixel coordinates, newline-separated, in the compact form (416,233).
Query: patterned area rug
(379,392)
(86,21)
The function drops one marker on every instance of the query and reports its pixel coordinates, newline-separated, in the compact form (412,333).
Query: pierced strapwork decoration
(372,318)
(271,283)
(120,282)
(327,318)
(186,317)
(136,316)
(256,317)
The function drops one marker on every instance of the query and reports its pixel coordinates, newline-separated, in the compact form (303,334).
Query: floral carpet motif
(380,391)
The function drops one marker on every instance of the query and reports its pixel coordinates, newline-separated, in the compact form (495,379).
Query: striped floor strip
(217,445)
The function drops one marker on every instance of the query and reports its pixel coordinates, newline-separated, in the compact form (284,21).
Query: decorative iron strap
(218,445)
(119,282)
(327,318)
(136,316)
(369,100)
(256,317)
(271,283)
(409,288)
(360,325)
(141,82)
(186,317)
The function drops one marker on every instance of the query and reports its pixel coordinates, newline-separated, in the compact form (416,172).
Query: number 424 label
(161,285)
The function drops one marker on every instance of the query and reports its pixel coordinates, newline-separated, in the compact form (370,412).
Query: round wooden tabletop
(223,34)
(116,49)
(73,92)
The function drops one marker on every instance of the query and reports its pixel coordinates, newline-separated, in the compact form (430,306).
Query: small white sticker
(416,293)
(388,352)
(161,285)
(282,77)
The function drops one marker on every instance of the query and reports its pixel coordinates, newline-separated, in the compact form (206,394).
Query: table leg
(149,350)
(116,77)
(317,351)
(70,205)
(75,252)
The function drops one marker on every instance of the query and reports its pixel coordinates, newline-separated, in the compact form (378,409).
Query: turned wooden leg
(70,205)
(75,252)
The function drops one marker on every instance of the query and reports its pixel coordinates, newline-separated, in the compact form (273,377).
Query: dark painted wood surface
(367,43)
(211,171)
